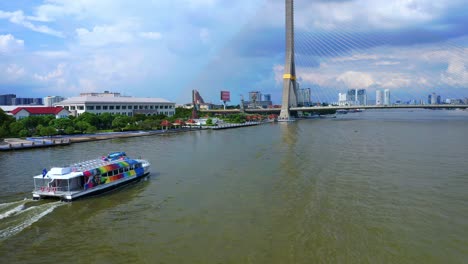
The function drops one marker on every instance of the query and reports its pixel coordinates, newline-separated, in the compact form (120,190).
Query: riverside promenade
(10,144)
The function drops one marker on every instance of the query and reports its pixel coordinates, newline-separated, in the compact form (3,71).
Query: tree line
(88,123)
(48,125)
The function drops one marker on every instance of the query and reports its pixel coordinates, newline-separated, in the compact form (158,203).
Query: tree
(82,126)
(182,113)
(105,121)
(4,131)
(91,129)
(148,124)
(209,122)
(61,123)
(4,117)
(47,131)
(91,118)
(15,128)
(69,130)
(120,122)
(24,133)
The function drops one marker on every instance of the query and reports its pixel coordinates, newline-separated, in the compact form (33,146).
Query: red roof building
(23,112)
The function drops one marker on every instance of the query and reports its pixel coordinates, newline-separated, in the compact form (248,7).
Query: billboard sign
(225,96)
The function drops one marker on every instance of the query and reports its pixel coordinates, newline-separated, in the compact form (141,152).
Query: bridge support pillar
(289,78)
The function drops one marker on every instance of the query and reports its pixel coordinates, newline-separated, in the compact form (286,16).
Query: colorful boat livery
(89,177)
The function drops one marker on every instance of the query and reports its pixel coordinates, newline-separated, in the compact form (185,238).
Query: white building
(361,97)
(23,112)
(303,97)
(387,97)
(51,100)
(378,97)
(353,97)
(99,103)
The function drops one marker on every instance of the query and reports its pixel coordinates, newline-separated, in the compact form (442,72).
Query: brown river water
(370,187)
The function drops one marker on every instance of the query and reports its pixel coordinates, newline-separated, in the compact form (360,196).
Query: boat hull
(68,197)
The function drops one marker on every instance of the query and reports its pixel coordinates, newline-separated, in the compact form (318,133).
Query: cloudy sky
(165,49)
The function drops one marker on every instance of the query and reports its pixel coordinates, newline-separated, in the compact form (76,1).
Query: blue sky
(167,48)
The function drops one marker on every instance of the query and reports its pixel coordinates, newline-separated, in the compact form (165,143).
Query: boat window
(121,170)
(126,169)
(109,173)
(116,172)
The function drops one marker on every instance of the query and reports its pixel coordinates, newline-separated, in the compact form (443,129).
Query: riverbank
(41,142)
(62,140)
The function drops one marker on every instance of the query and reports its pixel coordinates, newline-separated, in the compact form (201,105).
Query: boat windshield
(116,155)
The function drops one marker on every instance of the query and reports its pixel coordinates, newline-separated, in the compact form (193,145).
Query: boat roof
(104,164)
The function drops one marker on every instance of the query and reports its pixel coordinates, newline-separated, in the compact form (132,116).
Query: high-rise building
(429,99)
(6,99)
(26,101)
(378,97)
(341,98)
(303,97)
(387,97)
(255,96)
(361,97)
(433,98)
(267,97)
(351,95)
(51,100)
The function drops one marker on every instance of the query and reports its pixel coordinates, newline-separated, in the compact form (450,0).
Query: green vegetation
(235,118)
(92,123)
(85,123)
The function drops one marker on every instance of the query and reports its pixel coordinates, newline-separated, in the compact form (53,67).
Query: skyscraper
(434,98)
(361,97)
(378,97)
(51,100)
(351,95)
(6,99)
(303,97)
(386,97)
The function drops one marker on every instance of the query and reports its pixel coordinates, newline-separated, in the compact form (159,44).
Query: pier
(17,144)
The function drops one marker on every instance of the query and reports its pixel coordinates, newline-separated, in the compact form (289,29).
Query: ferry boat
(89,177)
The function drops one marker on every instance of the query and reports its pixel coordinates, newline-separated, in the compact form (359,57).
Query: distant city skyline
(166,49)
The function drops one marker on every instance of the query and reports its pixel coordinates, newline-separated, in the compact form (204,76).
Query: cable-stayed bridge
(337,44)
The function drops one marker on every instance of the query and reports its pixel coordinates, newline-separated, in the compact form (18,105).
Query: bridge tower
(289,78)
(196,101)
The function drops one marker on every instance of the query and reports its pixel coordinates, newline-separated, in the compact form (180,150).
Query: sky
(164,49)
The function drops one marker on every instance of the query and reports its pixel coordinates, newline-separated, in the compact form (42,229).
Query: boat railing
(51,189)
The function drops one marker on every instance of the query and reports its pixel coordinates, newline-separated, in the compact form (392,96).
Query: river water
(370,187)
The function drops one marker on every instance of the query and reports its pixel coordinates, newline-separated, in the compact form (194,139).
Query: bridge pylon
(289,78)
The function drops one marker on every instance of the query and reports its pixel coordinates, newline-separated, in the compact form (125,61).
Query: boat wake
(7,209)
(17,216)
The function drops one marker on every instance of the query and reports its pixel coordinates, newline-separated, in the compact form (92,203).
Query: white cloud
(386,63)
(19,18)
(456,73)
(151,35)
(104,35)
(53,75)
(8,43)
(53,54)
(14,71)
(278,71)
(358,14)
(356,80)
